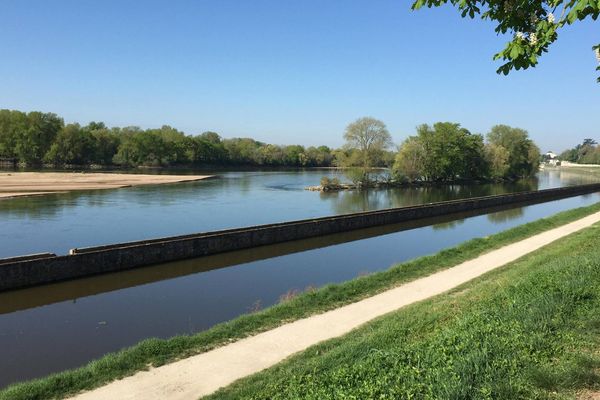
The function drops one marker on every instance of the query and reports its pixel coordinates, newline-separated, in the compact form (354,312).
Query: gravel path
(203,374)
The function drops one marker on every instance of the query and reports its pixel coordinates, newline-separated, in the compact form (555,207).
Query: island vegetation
(442,153)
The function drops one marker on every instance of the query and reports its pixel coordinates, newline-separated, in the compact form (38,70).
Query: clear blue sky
(287,71)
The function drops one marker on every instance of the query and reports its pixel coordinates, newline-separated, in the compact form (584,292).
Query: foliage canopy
(447,152)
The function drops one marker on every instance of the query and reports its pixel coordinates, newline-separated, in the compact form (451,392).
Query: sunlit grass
(526,331)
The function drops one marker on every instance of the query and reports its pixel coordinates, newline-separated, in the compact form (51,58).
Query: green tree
(12,124)
(410,160)
(294,156)
(579,153)
(523,154)
(452,152)
(319,156)
(271,154)
(569,155)
(346,157)
(175,144)
(242,150)
(497,158)
(533,24)
(211,137)
(73,145)
(106,145)
(370,138)
(33,142)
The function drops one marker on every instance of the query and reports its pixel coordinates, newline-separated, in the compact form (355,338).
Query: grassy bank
(156,352)
(530,330)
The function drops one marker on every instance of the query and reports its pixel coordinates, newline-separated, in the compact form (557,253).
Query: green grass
(530,330)
(157,352)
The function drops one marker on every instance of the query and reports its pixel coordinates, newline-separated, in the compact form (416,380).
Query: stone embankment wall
(19,272)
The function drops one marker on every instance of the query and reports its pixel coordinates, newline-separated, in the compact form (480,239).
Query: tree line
(587,152)
(443,152)
(37,138)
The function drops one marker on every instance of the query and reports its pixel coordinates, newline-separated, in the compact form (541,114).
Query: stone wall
(32,270)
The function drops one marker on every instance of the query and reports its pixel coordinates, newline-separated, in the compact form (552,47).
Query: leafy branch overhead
(534,24)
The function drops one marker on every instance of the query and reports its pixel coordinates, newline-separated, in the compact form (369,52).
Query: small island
(444,153)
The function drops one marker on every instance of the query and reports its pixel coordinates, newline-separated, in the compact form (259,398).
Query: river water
(60,326)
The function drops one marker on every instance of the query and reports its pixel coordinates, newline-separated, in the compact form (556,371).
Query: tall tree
(452,152)
(410,160)
(370,137)
(497,157)
(523,154)
(73,145)
(35,139)
(12,124)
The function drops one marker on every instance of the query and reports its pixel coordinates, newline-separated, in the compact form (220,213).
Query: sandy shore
(16,184)
(205,373)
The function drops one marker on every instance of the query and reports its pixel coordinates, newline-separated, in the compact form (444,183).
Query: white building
(551,159)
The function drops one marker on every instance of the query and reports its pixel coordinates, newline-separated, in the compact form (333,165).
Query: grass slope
(527,331)
(156,352)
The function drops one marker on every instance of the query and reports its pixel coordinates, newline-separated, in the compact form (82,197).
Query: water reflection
(352,201)
(58,222)
(507,215)
(569,176)
(193,295)
(448,225)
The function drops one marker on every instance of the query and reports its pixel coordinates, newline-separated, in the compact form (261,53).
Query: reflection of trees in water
(569,176)
(506,215)
(350,201)
(37,207)
(50,205)
(579,175)
(448,225)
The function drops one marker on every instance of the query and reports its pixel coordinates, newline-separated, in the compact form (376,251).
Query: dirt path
(16,184)
(203,374)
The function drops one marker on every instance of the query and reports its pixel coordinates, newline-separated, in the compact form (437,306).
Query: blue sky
(285,71)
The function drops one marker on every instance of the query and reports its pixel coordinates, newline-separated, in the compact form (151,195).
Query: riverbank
(157,352)
(223,366)
(17,184)
(528,330)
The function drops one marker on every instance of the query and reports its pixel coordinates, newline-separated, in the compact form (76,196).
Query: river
(54,327)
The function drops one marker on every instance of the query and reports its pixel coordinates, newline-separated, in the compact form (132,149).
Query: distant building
(551,159)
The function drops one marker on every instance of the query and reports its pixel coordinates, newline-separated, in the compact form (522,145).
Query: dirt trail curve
(203,374)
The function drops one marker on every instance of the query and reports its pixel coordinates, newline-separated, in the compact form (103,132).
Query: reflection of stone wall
(96,260)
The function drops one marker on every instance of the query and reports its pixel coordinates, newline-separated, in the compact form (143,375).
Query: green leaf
(515,51)
(418,4)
